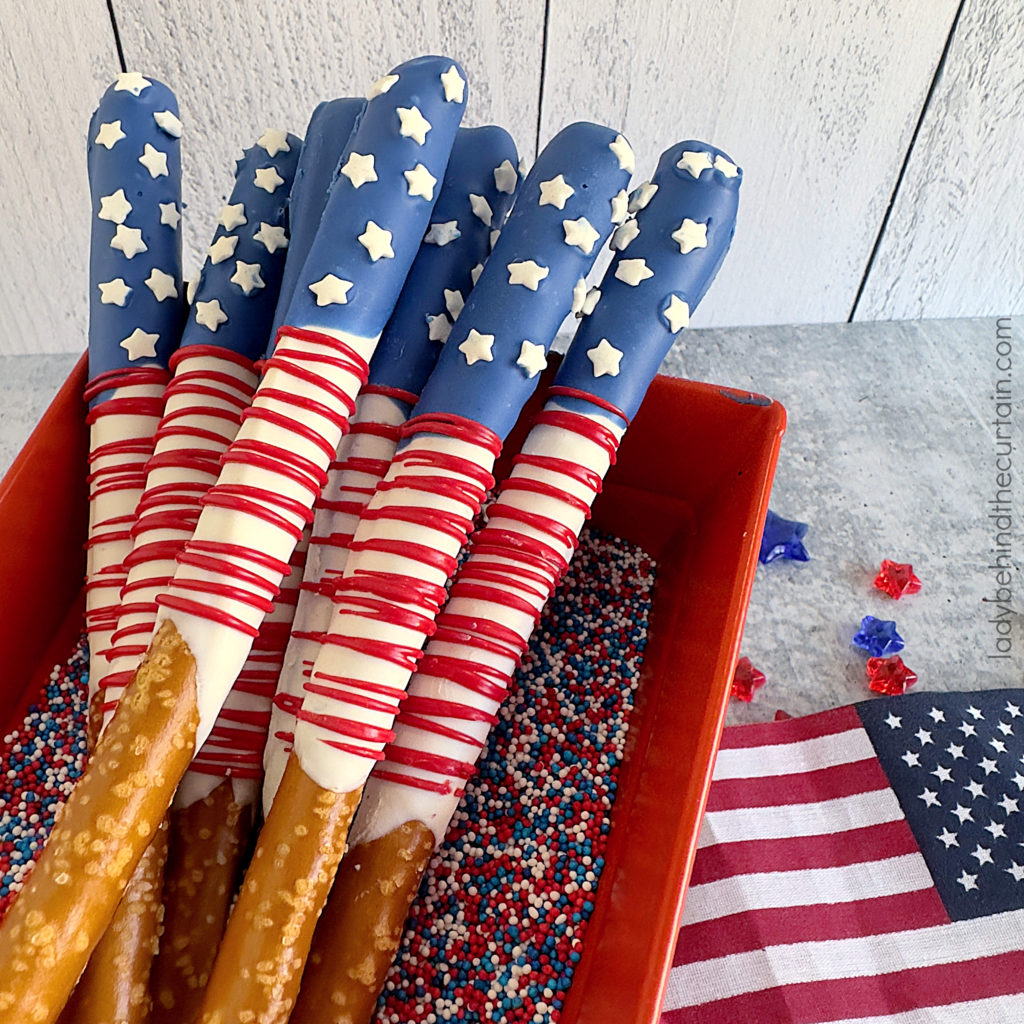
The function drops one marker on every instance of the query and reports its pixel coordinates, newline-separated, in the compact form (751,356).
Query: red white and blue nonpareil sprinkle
(40,760)
(498,927)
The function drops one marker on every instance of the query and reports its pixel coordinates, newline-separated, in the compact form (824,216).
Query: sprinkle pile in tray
(497,929)
(499,924)
(39,763)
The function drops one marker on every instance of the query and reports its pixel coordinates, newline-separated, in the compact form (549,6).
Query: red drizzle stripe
(205,611)
(235,456)
(290,424)
(499,510)
(523,483)
(574,423)
(273,451)
(429,762)
(470,675)
(347,727)
(356,699)
(224,590)
(408,397)
(495,595)
(209,351)
(459,427)
(437,728)
(361,684)
(585,396)
(396,654)
(216,547)
(150,407)
(238,503)
(414,552)
(443,788)
(434,707)
(136,376)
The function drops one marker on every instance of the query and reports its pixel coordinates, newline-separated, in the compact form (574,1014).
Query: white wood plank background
(954,242)
(818,102)
(238,68)
(57,63)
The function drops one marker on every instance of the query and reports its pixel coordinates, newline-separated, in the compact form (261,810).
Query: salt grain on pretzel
(677,242)
(433,295)
(250,522)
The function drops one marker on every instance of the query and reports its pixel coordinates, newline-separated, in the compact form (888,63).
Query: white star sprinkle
(114,207)
(271,236)
(442,233)
(605,359)
(620,206)
(191,288)
(975,788)
(1008,805)
(110,134)
(505,177)
(1005,728)
(937,715)
(268,179)
(695,163)
(1012,710)
(691,235)
(168,121)
(114,293)
(381,86)
(555,192)
(624,234)
(477,347)
(453,301)
(223,248)
(969,882)
(210,315)
(581,233)
(129,241)
(894,721)
(727,167)
(988,766)
(532,359)
(140,345)
(377,242)
(1018,781)
(481,208)
(998,746)
(359,169)
(331,290)
(974,713)
(162,285)
(454,85)
(677,314)
(997,830)
(438,327)
(913,761)
(930,798)
(1016,870)
(154,161)
(421,182)
(947,838)
(247,277)
(967,729)
(579,296)
(982,855)
(591,301)
(632,272)
(527,273)
(413,124)
(274,141)
(642,195)
(232,215)
(923,737)
(962,813)
(620,147)
(942,773)
(955,751)
(169,215)
(131,81)
(474,274)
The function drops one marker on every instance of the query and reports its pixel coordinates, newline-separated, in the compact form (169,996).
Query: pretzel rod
(253,517)
(136,311)
(404,551)
(667,256)
(475,195)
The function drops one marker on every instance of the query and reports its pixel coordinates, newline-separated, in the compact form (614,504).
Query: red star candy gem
(746,681)
(897,579)
(890,676)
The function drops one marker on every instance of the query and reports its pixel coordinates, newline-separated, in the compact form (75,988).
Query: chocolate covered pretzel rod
(214,379)
(474,198)
(250,522)
(401,556)
(667,256)
(136,312)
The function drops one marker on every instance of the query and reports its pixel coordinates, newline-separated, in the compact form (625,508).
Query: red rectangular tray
(691,487)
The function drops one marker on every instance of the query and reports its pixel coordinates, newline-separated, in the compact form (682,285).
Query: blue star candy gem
(782,538)
(878,637)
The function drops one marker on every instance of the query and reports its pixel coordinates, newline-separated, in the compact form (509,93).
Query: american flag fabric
(865,865)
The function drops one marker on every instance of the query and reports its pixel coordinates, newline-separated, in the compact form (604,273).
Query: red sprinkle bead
(746,681)
(889,675)
(897,579)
